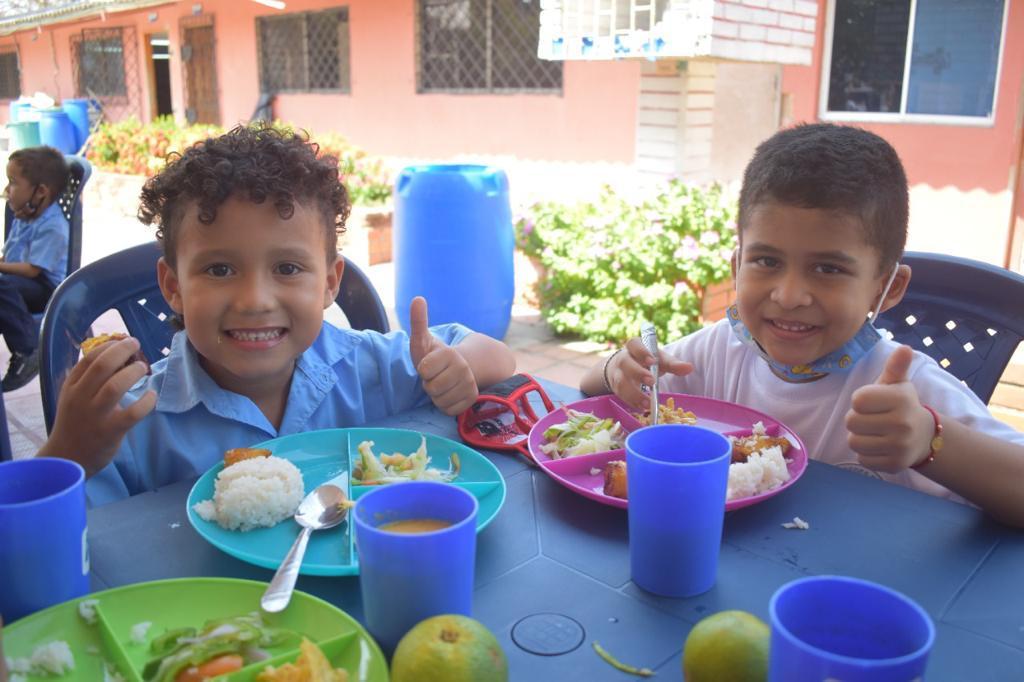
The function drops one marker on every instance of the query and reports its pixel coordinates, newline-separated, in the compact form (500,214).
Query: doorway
(158,57)
(198,59)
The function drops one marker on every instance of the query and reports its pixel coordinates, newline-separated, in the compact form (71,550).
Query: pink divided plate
(584,474)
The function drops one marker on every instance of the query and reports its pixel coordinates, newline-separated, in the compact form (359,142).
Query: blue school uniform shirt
(346,378)
(43,242)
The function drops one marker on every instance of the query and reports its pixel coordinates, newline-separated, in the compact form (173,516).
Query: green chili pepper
(619,665)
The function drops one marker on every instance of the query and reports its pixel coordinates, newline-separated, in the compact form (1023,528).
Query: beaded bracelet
(604,372)
(936,442)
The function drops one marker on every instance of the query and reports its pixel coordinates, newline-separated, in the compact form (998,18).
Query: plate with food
(191,629)
(582,446)
(244,504)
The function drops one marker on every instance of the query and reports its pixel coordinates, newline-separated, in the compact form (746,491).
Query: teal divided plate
(170,604)
(321,456)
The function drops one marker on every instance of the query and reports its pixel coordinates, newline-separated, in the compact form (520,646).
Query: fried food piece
(89,344)
(310,666)
(668,413)
(748,445)
(236,455)
(615,479)
(92,343)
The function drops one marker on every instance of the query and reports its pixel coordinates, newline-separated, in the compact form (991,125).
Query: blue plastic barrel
(56,130)
(453,245)
(23,134)
(78,111)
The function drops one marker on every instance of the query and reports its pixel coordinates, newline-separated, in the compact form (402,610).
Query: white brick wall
(792,21)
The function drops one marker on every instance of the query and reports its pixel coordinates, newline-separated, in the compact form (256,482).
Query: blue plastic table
(553,552)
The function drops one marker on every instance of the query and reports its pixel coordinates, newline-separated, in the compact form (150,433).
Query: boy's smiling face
(252,288)
(806,279)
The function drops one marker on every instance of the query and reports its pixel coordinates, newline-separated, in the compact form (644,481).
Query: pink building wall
(969,157)
(972,159)
(593,119)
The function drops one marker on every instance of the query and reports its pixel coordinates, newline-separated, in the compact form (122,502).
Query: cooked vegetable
(581,434)
(396,467)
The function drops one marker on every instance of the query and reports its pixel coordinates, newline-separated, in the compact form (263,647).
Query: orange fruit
(728,646)
(449,648)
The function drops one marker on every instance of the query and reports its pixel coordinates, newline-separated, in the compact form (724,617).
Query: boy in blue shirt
(35,257)
(822,225)
(249,223)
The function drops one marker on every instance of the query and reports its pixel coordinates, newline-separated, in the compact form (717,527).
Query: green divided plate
(321,456)
(170,604)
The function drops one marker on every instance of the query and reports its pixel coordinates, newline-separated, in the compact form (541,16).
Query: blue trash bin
(56,130)
(453,245)
(78,111)
(23,134)
(19,108)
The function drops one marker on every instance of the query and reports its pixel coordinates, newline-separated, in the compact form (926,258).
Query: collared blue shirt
(43,242)
(346,378)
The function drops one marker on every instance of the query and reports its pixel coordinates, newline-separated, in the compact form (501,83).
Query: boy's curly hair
(257,162)
(832,167)
(42,166)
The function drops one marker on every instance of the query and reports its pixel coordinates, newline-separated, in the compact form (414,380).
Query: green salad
(581,434)
(241,637)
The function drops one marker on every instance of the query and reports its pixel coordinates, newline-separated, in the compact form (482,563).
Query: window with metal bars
(101,63)
(304,51)
(10,75)
(482,46)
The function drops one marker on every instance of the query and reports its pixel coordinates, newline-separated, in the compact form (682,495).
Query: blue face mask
(839,361)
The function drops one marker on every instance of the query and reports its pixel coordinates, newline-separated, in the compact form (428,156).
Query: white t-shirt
(726,369)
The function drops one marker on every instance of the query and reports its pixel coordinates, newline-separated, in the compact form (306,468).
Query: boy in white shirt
(822,224)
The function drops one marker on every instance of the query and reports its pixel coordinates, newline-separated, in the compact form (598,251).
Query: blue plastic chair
(126,282)
(70,202)
(967,315)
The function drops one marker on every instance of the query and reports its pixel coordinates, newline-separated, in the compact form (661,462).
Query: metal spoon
(649,337)
(324,507)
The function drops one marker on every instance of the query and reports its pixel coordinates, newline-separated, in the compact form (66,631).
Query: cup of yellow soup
(417,545)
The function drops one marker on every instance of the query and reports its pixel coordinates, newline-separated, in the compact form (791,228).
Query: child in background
(35,257)
(249,223)
(822,225)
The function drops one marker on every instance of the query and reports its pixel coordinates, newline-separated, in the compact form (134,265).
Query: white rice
(764,470)
(253,493)
(52,658)
(139,631)
(87,610)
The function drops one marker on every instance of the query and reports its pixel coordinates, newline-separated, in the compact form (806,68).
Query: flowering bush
(612,264)
(131,147)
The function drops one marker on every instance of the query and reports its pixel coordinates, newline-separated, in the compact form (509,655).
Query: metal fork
(649,337)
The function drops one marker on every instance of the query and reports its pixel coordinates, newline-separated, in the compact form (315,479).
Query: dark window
(101,64)
(10,76)
(304,51)
(483,46)
(954,56)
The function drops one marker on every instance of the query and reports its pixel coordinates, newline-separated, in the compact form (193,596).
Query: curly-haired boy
(248,223)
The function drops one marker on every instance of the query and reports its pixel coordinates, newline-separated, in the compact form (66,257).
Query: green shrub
(613,264)
(131,147)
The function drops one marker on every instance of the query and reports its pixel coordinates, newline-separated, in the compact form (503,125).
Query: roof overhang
(19,15)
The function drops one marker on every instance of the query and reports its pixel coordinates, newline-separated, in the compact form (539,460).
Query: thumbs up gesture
(447,376)
(888,428)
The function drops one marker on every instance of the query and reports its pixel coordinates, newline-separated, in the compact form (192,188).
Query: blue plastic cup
(405,578)
(835,627)
(44,551)
(676,479)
